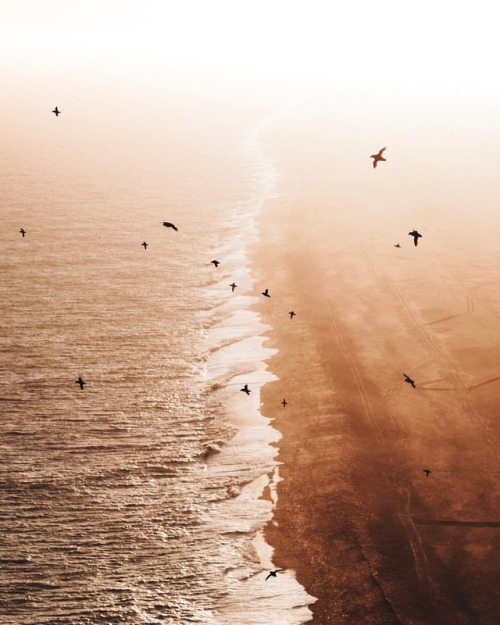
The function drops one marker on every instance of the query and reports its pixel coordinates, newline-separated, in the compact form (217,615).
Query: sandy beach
(368,534)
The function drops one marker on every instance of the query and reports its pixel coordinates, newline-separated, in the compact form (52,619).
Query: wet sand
(368,534)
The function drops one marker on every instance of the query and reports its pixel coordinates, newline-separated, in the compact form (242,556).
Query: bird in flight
(377,157)
(56,112)
(215,263)
(273,573)
(144,245)
(409,380)
(284,403)
(266,293)
(292,314)
(81,383)
(23,232)
(416,235)
(233,286)
(245,389)
(167,224)
(397,245)
(427,472)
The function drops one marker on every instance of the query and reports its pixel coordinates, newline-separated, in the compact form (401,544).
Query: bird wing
(374,164)
(382,150)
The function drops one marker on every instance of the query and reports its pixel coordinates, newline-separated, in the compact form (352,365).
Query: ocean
(142,498)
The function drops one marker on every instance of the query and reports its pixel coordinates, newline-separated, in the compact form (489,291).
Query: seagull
(284,403)
(56,111)
(215,263)
(266,293)
(80,382)
(23,232)
(167,224)
(409,380)
(245,389)
(397,245)
(427,472)
(416,235)
(377,157)
(292,314)
(273,573)
(233,286)
(144,245)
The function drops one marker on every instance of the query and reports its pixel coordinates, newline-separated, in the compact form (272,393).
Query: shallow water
(137,499)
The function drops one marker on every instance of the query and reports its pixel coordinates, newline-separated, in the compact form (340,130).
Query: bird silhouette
(81,383)
(23,232)
(377,157)
(144,245)
(416,235)
(409,380)
(427,472)
(397,245)
(167,224)
(233,286)
(266,293)
(273,573)
(292,314)
(245,389)
(284,403)
(56,112)
(215,263)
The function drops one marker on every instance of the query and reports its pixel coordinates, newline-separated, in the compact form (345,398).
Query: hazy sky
(361,42)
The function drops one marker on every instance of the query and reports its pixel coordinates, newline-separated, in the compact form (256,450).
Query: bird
(292,314)
(215,263)
(416,235)
(81,383)
(144,245)
(167,224)
(273,573)
(377,157)
(233,286)
(245,389)
(23,232)
(56,111)
(397,245)
(427,472)
(266,293)
(284,403)
(409,380)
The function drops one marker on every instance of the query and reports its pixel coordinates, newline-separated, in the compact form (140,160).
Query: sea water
(139,498)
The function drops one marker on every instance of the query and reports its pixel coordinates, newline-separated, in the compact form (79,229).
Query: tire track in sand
(413,536)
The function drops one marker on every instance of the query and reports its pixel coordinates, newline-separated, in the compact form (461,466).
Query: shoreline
(355,438)
(246,458)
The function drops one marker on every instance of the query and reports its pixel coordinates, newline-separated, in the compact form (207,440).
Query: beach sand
(368,534)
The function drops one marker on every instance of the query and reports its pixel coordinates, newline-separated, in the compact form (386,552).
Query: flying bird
(273,573)
(23,232)
(284,403)
(292,314)
(56,112)
(397,245)
(233,286)
(81,383)
(144,245)
(167,224)
(266,293)
(427,472)
(416,235)
(215,263)
(245,389)
(377,157)
(409,380)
